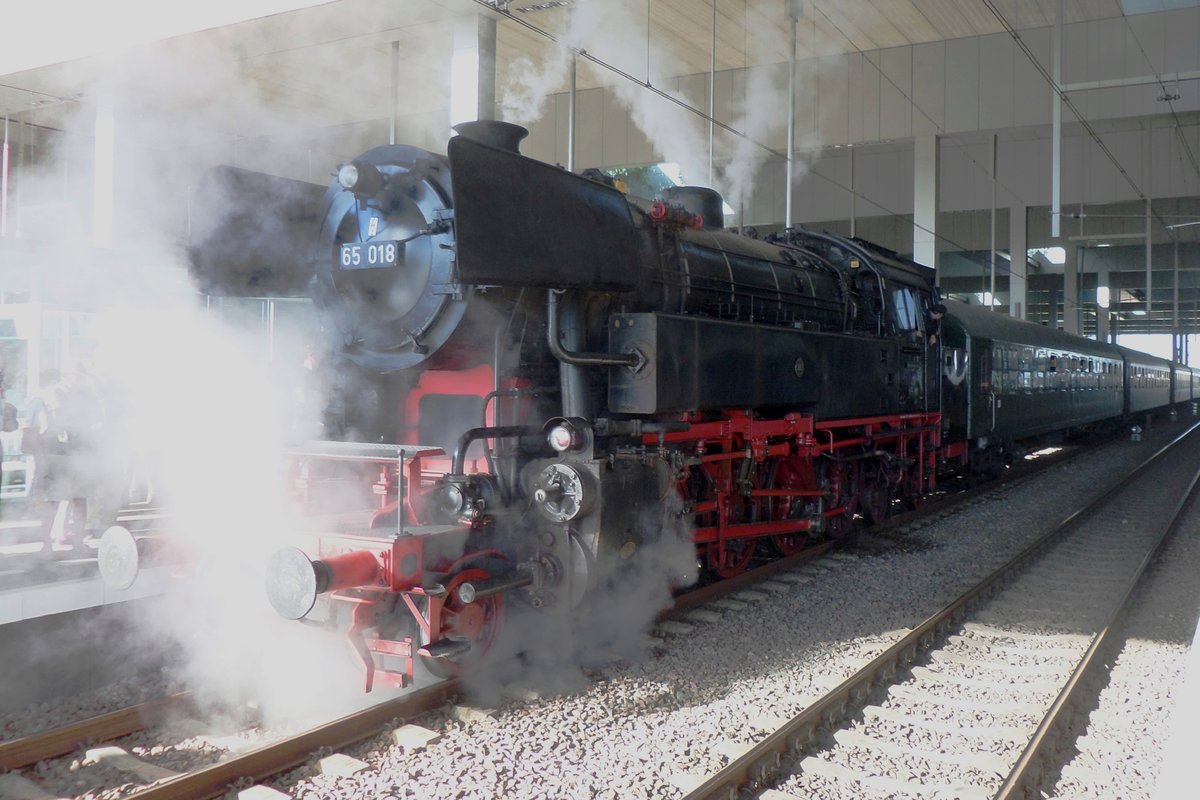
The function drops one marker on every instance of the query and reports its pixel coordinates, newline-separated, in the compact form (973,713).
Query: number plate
(371,255)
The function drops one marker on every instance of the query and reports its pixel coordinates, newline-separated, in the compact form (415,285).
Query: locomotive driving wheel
(789,474)
(912,492)
(875,495)
(466,628)
(842,480)
(735,559)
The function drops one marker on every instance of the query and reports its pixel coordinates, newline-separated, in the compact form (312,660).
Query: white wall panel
(997,58)
(962,85)
(589,130)
(724,94)
(895,89)
(1020,173)
(833,99)
(965,180)
(617,130)
(1104,44)
(1075,53)
(1180,52)
(869,94)
(1097,103)
(929,88)
(561,112)
(1137,99)
(1073,165)
(539,143)
(854,65)
(1031,93)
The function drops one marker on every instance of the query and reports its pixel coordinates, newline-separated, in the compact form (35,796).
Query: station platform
(1177,780)
(39,581)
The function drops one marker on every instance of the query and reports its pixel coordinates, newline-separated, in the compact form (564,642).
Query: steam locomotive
(546,382)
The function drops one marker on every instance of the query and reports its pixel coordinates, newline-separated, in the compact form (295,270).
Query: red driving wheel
(476,623)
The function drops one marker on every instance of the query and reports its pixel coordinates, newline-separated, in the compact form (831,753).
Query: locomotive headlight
(565,435)
(361,178)
(561,437)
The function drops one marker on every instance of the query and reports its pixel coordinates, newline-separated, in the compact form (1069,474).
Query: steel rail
(757,766)
(271,759)
(36,747)
(1026,773)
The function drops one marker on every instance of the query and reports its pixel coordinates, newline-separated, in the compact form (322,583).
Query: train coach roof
(1143,359)
(980,322)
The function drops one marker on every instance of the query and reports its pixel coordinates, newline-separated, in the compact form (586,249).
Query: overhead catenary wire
(646,84)
(1066,101)
(1186,146)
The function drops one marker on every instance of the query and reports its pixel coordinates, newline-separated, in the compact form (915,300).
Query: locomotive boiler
(566,382)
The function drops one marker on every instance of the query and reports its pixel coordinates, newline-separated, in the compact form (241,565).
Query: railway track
(271,759)
(972,702)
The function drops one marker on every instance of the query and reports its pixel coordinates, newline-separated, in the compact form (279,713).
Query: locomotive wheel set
(555,388)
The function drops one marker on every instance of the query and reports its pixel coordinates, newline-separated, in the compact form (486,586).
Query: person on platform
(61,436)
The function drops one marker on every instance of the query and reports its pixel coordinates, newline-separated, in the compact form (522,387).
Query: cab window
(907,307)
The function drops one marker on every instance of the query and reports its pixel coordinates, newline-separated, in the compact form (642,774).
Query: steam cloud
(200,408)
(615,32)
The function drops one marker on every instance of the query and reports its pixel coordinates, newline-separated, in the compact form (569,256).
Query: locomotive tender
(565,379)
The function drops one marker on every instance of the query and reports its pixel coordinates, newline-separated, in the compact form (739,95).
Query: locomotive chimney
(494,133)
(699,200)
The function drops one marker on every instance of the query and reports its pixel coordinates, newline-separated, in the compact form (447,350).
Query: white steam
(202,409)
(616,33)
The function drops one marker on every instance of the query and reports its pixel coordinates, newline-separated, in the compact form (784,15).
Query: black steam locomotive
(562,381)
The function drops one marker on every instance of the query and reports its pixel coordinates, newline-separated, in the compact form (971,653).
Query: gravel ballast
(649,728)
